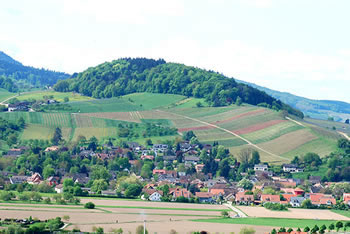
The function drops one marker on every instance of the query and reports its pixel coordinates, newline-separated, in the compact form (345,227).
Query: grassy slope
(273,222)
(41,125)
(131,102)
(345,213)
(4,94)
(57,96)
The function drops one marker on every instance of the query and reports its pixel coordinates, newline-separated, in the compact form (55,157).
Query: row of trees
(322,229)
(125,76)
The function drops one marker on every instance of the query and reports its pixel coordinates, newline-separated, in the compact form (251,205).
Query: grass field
(131,102)
(38,95)
(342,212)
(4,94)
(273,222)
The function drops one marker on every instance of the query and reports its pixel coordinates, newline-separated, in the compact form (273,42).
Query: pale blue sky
(299,46)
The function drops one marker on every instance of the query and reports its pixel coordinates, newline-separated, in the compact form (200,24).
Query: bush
(89,205)
(275,206)
(246,230)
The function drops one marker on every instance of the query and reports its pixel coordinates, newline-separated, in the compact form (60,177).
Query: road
(228,131)
(3,102)
(238,211)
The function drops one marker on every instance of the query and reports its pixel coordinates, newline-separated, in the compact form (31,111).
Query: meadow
(38,95)
(4,94)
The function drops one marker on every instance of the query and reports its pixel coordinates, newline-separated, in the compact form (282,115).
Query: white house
(292,168)
(260,167)
(59,188)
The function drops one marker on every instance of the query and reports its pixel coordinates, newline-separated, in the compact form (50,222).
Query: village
(161,177)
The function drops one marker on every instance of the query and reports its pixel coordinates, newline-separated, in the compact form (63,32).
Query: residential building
(59,188)
(292,168)
(18,179)
(260,167)
(242,198)
(205,197)
(296,201)
(270,198)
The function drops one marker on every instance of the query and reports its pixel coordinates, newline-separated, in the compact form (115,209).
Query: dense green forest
(125,76)
(9,130)
(25,76)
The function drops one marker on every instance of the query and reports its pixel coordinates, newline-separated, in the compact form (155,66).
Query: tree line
(125,76)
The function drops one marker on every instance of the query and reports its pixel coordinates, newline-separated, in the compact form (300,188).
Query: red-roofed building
(242,198)
(346,198)
(298,191)
(321,199)
(159,172)
(179,192)
(205,196)
(218,189)
(270,198)
(288,196)
(149,157)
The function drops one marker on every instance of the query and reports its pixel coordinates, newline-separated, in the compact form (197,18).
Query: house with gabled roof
(205,197)
(270,198)
(242,198)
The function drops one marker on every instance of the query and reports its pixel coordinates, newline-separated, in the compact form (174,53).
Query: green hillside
(127,76)
(14,75)
(152,116)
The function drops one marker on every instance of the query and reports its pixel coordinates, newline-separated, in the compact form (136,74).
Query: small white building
(260,167)
(292,168)
(59,188)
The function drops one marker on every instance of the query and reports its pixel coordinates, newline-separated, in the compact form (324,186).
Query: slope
(26,76)
(320,109)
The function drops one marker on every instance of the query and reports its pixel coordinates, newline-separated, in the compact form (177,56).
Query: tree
(290,230)
(306,229)
(246,230)
(140,230)
(273,231)
(244,155)
(48,171)
(338,225)
(255,158)
(331,227)
(238,101)
(224,214)
(21,123)
(66,99)
(188,135)
(99,185)
(307,204)
(199,104)
(133,190)
(246,184)
(323,228)
(57,136)
(89,205)
(315,229)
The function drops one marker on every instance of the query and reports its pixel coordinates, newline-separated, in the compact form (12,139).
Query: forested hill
(125,76)
(319,109)
(14,74)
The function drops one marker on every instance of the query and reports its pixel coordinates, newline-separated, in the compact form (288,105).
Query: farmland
(4,94)
(38,95)
(161,217)
(235,127)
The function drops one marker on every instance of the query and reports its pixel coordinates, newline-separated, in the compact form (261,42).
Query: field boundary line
(344,135)
(293,120)
(228,131)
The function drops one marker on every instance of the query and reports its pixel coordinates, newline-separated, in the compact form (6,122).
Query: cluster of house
(208,189)
(26,106)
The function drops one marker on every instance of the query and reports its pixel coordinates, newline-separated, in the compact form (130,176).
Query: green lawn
(345,213)
(274,222)
(131,102)
(38,95)
(4,94)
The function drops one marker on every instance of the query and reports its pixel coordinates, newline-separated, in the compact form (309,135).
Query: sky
(301,47)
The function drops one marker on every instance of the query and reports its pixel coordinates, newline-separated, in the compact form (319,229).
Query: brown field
(258,126)
(157,220)
(292,213)
(288,142)
(113,202)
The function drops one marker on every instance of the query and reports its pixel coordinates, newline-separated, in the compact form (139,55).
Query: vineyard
(153,116)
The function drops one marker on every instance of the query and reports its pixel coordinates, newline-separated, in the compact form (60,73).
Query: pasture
(4,94)
(131,102)
(38,95)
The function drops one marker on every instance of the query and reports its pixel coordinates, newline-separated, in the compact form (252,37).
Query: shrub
(224,214)
(275,206)
(246,230)
(89,205)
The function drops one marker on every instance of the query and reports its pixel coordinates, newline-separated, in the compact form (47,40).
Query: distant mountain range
(26,76)
(318,109)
